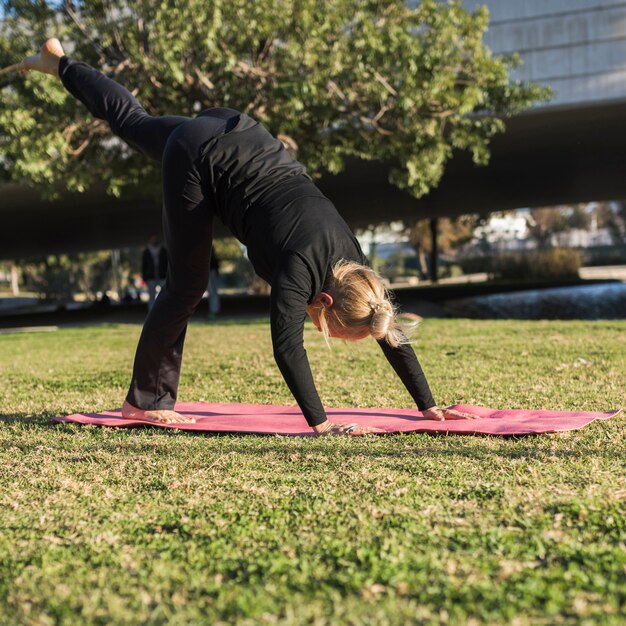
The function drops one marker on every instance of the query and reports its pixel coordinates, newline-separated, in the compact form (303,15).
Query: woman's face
(320,301)
(314,313)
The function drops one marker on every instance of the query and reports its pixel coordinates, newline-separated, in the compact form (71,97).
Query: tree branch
(67,8)
(383,81)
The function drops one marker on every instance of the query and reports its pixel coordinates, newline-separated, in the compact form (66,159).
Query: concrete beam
(548,156)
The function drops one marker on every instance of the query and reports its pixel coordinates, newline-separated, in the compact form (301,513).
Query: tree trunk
(15,285)
(434,223)
(373,260)
(115,267)
(421,256)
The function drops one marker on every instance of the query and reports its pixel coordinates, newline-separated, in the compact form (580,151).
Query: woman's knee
(188,290)
(128,126)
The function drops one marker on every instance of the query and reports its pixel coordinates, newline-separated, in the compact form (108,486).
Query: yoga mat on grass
(263,419)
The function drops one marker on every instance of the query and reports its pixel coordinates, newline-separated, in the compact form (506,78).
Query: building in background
(577,47)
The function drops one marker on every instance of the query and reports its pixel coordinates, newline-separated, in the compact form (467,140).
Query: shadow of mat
(27,419)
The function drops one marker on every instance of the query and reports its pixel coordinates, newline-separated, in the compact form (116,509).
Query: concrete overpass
(571,150)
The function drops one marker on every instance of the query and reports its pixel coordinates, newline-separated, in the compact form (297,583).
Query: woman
(224,163)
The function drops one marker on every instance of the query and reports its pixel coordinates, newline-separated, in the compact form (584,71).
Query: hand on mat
(437,413)
(352,430)
(155,416)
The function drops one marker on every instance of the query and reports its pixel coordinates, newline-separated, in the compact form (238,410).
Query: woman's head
(355,305)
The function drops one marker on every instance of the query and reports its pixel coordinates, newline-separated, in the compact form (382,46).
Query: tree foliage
(336,78)
(59,277)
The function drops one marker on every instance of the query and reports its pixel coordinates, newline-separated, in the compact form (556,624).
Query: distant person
(154,268)
(223,163)
(214,285)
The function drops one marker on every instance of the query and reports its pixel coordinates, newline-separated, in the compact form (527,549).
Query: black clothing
(150,270)
(224,163)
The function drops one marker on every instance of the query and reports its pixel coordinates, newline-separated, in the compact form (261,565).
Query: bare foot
(46,61)
(156,416)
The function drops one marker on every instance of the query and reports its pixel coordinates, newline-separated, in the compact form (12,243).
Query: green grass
(106,526)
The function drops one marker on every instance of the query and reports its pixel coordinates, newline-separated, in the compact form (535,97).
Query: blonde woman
(223,163)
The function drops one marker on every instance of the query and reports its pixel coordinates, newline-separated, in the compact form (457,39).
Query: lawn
(106,526)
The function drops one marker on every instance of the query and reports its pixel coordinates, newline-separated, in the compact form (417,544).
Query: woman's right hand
(352,430)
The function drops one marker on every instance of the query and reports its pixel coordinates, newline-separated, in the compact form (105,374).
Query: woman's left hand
(441,414)
(353,430)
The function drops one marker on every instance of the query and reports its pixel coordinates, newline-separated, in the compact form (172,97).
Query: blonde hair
(361,307)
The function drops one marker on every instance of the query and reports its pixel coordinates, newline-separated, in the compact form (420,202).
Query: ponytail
(361,307)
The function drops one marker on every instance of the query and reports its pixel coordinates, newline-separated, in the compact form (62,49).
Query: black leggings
(187,221)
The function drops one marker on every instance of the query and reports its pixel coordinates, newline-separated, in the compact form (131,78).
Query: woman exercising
(226,164)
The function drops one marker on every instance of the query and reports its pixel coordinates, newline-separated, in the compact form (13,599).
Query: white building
(577,47)
(508,231)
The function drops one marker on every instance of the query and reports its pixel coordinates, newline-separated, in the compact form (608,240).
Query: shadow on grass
(27,419)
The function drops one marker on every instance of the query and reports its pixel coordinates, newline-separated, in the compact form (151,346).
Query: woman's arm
(291,289)
(407,367)
(405,364)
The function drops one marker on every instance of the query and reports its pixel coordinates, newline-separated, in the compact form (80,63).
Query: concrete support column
(434,252)
(15,285)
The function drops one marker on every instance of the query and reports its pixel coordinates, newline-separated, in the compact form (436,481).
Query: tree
(421,240)
(612,215)
(374,79)
(577,217)
(544,222)
(452,233)
(59,277)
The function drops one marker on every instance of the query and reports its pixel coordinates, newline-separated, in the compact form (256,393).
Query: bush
(551,263)
(450,270)
(604,255)
(476,264)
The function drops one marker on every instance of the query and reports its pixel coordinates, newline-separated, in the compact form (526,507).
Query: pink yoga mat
(263,419)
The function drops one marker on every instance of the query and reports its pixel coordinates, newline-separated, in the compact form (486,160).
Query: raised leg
(108,100)
(105,99)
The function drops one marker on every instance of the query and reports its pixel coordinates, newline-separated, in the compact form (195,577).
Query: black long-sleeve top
(294,236)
